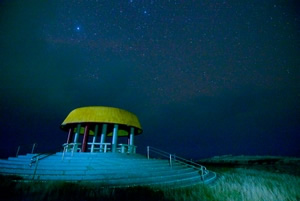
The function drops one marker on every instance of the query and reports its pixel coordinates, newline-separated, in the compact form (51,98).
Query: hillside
(289,165)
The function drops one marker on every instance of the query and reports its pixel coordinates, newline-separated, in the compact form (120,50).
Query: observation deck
(94,152)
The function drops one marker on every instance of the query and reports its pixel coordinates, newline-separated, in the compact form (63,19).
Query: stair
(107,169)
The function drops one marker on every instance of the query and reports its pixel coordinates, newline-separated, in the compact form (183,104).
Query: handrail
(37,157)
(74,147)
(173,157)
(34,145)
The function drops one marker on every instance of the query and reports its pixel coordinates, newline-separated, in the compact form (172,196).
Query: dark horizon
(204,78)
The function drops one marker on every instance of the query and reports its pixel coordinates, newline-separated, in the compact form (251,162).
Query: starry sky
(205,77)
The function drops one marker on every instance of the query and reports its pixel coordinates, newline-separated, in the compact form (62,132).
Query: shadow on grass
(13,189)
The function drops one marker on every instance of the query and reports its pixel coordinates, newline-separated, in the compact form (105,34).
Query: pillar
(85,138)
(103,137)
(103,133)
(115,138)
(95,137)
(70,135)
(76,138)
(77,133)
(131,141)
(131,147)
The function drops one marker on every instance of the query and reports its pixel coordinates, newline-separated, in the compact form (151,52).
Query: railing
(98,147)
(71,147)
(173,158)
(40,156)
(35,160)
(34,145)
(125,148)
(102,147)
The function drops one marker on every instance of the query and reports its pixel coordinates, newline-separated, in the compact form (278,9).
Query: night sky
(205,77)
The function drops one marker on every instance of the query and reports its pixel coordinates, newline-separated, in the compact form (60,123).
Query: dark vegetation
(14,189)
(273,164)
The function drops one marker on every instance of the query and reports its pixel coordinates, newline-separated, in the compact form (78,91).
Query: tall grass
(233,184)
(243,185)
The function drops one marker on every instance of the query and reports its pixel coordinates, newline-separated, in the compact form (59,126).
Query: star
(186,59)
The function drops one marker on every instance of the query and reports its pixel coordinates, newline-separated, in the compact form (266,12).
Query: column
(103,133)
(76,138)
(95,137)
(70,135)
(103,136)
(77,133)
(131,141)
(115,138)
(85,138)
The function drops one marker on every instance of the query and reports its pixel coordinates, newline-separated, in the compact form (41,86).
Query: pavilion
(113,122)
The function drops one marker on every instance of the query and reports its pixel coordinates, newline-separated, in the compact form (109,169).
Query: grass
(17,190)
(240,184)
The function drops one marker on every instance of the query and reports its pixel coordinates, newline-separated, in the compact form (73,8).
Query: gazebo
(113,122)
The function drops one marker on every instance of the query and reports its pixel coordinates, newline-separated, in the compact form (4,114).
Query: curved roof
(101,114)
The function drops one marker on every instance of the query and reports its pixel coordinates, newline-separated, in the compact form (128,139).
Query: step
(127,178)
(98,165)
(108,164)
(151,172)
(80,161)
(106,168)
(179,182)
(94,174)
(86,166)
(90,166)
(187,179)
(84,155)
(29,170)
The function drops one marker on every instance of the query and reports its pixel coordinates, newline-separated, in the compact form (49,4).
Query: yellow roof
(101,114)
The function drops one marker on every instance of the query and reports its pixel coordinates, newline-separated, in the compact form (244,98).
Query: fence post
(35,168)
(64,150)
(17,154)
(148,154)
(33,146)
(171,160)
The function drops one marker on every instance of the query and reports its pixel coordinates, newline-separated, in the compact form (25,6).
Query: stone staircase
(107,169)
